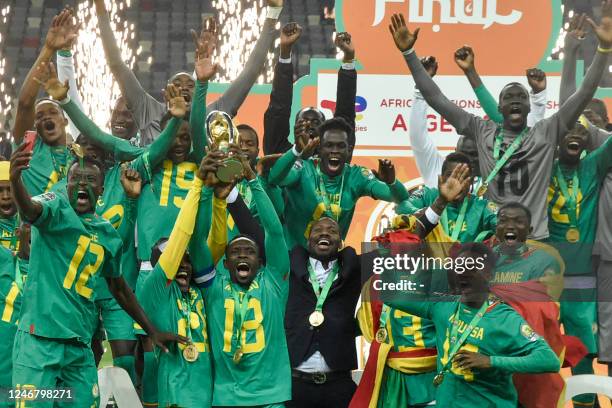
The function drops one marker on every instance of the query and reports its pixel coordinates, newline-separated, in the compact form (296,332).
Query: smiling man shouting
(331,186)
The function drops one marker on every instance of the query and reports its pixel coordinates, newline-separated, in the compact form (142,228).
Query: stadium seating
(162,31)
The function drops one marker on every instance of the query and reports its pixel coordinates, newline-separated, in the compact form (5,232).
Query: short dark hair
(335,124)
(516,205)
(88,161)
(244,126)
(320,114)
(456,158)
(510,85)
(480,249)
(599,107)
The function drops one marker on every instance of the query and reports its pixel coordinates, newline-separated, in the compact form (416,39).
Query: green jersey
(590,173)
(263,374)
(172,311)
(501,334)
(47,167)
(11,286)
(528,263)
(160,201)
(115,207)
(312,194)
(8,238)
(69,253)
(479,220)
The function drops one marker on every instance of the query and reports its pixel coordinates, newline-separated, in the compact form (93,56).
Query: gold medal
(316,318)
(572,235)
(238,355)
(190,353)
(438,379)
(381,335)
(482,190)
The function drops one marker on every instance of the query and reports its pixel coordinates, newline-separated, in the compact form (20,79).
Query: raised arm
(61,34)
(132,185)
(466,61)
(29,209)
(346,91)
(428,158)
(536,78)
(144,107)
(574,36)
(284,173)
(278,114)
(405,40)
(385,186)
(571,110)
(66,72)
(277,255)
(233,98)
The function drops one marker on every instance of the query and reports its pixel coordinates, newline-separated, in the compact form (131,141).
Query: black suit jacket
(335,338)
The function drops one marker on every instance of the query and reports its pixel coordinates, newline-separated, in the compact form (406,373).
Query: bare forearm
(24,118)
(126,299)
(473,77)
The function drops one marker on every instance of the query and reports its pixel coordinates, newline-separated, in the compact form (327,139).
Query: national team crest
(529,333)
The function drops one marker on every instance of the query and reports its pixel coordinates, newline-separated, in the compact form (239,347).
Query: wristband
(604,50)
(64,53)
(65,100)
(408,52)
(285,60)
(274,12)
(233,195)
(432,216)
(349,66)
(295,152)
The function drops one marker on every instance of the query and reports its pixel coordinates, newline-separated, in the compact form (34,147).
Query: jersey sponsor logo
(508,277)
(45,197)
(529,333)
(298,165)
(367,173)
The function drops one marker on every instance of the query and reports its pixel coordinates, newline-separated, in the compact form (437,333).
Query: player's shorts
(579,315)
(145,271)
(99,333)
(406,390)
(116,322)
(604,310)
(43,363)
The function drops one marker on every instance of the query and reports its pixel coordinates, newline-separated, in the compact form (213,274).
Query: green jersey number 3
(84,245)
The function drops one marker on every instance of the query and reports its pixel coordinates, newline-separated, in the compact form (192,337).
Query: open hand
(176,101)
(468,360)
(453,187)
(310,147)
(404,39)
(386,171)
(578,26)
(536,79)
(63,31)
(131,182)
(205,45)
(604,29)
(46,76)
(248,172)
(345,43)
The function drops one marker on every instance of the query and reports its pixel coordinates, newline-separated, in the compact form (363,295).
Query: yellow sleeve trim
(217,237)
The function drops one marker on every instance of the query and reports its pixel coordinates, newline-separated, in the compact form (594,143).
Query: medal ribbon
(186,312)
(570,200)
(322,192)
(321,293)
(458,221)
(384,316)
(504,159)
(455,328)
(243,306)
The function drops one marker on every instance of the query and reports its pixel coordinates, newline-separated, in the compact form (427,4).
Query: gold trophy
(221,133)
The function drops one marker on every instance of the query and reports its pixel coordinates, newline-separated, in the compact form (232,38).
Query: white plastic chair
(588,384)
(116,382)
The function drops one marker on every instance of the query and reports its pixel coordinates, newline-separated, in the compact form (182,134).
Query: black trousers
(331,394)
